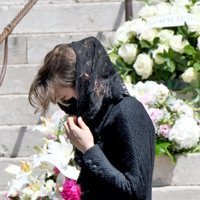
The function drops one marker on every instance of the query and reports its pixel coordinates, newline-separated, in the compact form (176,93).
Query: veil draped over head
(97,81)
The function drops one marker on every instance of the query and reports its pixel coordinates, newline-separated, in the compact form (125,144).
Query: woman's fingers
(71,124)
(82,124)
(66,128)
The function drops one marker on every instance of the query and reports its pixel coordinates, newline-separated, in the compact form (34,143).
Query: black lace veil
(97,81)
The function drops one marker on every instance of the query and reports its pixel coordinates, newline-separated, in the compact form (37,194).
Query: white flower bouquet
(176,122)
(163,45)
(50,173)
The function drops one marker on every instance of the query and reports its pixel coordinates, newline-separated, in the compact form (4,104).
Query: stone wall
(51,22)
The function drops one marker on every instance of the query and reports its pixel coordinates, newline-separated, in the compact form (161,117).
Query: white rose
(147,11)
(165,36)
(198,43)
(162,93)
(143,65)
(158,59)
(194,28)
(128,52)
(177,43)
(122,34)
(189,75)
(195,9)
(163,8)
(137,26)
(185,132)
(182,3)
(186,110)
(149,35)
(178,10)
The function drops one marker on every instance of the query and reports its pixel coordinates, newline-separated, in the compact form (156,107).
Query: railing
(8,30)
(128,10)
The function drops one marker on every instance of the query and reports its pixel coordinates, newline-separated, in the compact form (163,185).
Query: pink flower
(71,190)
(164,130)
(56,171)
(155,114)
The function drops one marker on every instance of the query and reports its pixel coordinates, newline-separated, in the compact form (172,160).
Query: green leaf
(145,44)
(162,148)
(196,149)
(170,54)
(120,63)
(197,66)
(170,65)
(189,50)
(155,42)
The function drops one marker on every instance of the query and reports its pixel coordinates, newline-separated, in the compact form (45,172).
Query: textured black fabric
(120,165)
(97,80)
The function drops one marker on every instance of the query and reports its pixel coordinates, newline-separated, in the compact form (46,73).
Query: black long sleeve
(124,163)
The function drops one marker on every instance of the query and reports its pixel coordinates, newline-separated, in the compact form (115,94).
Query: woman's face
(64,93)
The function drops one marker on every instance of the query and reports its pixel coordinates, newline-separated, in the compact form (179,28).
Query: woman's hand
(79,133)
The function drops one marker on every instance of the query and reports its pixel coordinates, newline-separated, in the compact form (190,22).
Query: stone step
(16,110)
(185,172)
(18,2)
(23,2)
(24,139)
(31,48)
(160,193)
(176,193)
(68,17)
(18,79)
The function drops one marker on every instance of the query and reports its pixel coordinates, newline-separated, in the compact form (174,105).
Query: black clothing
(120,165)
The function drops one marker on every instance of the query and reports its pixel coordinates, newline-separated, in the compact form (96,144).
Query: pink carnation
(56,171)
(71,190)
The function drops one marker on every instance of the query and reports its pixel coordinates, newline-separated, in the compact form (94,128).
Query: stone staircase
(61,21)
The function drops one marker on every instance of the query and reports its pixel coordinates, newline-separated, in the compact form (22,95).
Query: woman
(111,131)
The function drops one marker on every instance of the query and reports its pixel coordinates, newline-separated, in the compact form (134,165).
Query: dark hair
(58,69)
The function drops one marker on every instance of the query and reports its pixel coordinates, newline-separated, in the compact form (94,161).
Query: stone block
(23,2)
(16,50)
(54,18)
(18,79)
(23,141)
(185,172)
(92,1)
(16,110)
(177,193)
(39,45)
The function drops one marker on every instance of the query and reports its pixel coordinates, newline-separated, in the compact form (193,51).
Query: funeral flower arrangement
(162,45)
(50,173)
(176,122)
(158,54)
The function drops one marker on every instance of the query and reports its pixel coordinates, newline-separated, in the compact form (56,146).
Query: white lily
(50,125)
(58,154)
(17,185)
(13,169)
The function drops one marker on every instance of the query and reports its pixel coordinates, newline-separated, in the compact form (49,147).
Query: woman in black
(110,130)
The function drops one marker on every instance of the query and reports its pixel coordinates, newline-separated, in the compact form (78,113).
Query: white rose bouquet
(176,122)
(163,45)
